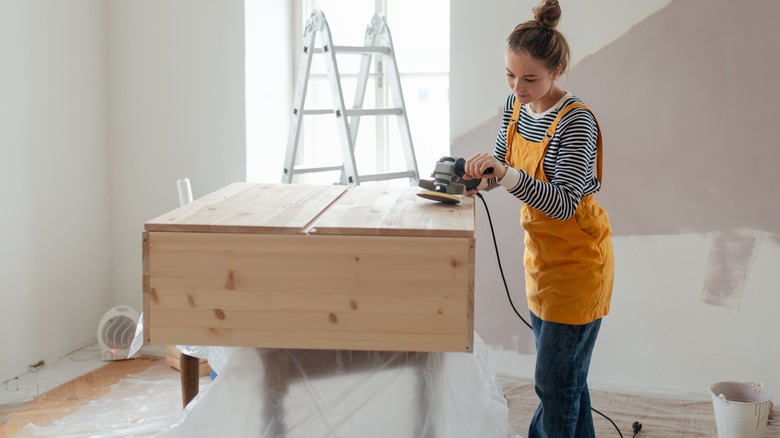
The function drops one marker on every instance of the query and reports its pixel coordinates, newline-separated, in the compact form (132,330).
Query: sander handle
(460,168)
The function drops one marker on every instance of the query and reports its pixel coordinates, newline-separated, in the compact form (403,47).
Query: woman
(548,155)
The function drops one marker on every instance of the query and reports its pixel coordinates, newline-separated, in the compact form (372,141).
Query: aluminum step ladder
(377,42)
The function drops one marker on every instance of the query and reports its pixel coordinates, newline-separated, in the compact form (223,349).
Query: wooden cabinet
(311,267)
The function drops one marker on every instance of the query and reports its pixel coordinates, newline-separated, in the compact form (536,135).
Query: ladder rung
(384,176)
(376,42)
(318,111)
(375,112)
(358,112)
(358,50)
(317,169)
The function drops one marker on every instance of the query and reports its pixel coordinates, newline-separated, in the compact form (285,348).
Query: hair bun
(548,13)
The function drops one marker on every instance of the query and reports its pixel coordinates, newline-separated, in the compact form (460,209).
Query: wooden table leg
(275,385)
(190,380)
(426,378)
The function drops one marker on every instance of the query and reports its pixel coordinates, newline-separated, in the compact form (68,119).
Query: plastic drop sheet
(138,406)
(314,393)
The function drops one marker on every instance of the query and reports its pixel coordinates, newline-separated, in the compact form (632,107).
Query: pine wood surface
(396,212)
(342,210)
(326,292)
(319,267)
(251,208)
(173,359)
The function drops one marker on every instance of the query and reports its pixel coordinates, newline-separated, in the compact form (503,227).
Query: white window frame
(301,11)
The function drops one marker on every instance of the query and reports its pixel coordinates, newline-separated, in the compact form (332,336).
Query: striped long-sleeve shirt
(569,163)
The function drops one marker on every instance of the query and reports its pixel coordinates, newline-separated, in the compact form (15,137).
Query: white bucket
(741,409)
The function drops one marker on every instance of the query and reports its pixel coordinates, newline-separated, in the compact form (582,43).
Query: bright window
(420,33)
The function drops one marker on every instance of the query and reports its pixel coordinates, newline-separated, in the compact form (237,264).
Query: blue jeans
(562,362)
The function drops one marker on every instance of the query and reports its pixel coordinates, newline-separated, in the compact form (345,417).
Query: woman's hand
(477,165)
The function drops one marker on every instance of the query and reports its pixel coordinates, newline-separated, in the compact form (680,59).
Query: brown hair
(540,38)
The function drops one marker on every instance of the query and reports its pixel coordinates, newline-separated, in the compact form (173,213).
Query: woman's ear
(557,72)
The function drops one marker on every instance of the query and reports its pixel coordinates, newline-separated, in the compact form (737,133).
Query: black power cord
(637,426)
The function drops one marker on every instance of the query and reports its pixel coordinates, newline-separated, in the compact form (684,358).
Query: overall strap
(515,111)
(511,129)
(554,125)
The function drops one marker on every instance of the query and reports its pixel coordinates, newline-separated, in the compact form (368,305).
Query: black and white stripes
(568,164)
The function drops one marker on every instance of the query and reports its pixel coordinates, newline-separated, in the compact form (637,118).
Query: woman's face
(528,77)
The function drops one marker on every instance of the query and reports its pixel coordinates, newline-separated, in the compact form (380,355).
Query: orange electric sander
(448,184)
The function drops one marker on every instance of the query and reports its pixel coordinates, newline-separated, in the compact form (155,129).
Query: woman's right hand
(477,165)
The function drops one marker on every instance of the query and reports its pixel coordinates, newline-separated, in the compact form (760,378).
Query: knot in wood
(231,280)
(216,332)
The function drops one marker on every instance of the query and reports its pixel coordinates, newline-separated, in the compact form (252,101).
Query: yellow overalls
(569,264)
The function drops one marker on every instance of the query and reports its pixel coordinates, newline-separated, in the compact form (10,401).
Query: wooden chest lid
(319,209)
(377,211)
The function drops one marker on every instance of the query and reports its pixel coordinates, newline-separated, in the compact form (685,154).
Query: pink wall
(687,104)
(686,100)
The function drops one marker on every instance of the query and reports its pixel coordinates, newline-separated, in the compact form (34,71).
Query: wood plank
(281,291)
(377,211)
(271,299)
(173,359)
(251,208)
(317,340)
(185,213)
(324,322)
(304,263)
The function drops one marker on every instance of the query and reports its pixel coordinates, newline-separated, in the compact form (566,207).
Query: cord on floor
(637,426)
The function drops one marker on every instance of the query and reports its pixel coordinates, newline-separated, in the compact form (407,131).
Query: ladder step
(358,112)
(358,50)
(317,111)
(316,169)
(375,112)
(389,175)
(376,43)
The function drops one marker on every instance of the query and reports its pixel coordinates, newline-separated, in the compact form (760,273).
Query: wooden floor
(66,398)
(659,417)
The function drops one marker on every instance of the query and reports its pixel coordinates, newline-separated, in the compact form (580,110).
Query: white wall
(54,255)
(667,332)
(176,109)
(103,106)
(477,40)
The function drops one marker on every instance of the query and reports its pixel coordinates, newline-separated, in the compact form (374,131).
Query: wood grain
(308,291)
(173,358)
(251,208)
(317,267)
(380,211)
